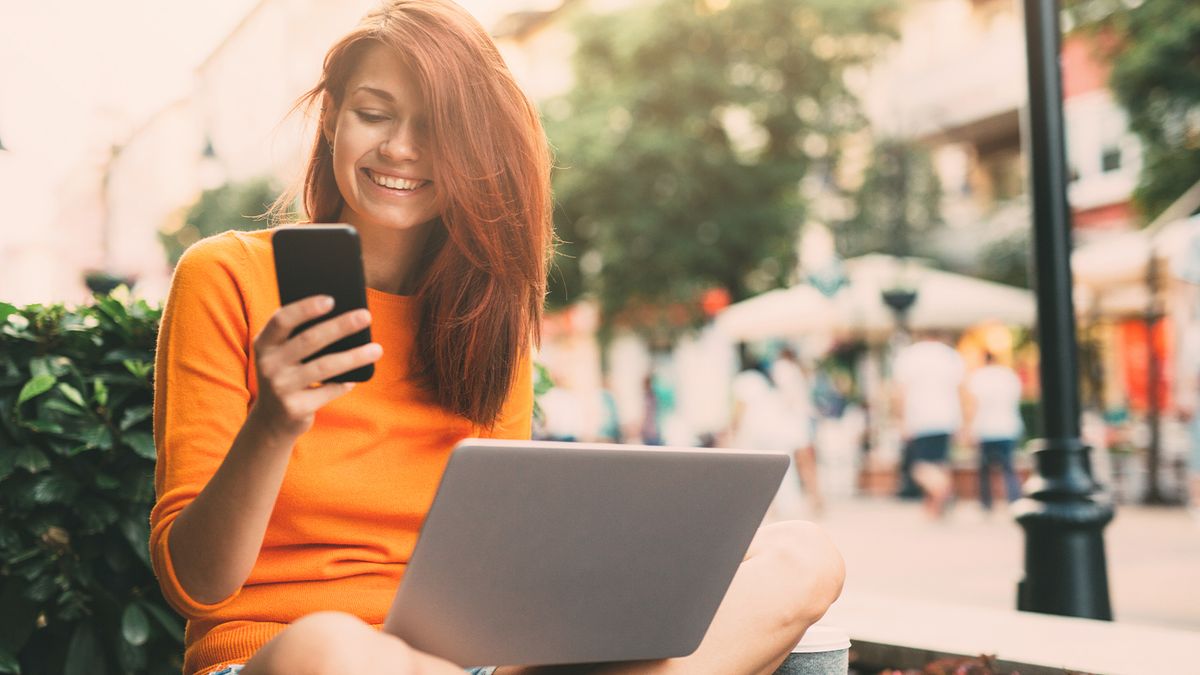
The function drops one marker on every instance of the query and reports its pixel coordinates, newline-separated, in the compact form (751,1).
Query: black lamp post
(1063,512)
(900,298)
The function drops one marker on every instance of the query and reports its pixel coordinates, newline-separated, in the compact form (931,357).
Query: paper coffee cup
(824,650)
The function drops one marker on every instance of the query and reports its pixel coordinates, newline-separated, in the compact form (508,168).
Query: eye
(369,117)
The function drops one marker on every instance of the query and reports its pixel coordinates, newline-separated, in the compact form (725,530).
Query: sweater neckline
(390,299)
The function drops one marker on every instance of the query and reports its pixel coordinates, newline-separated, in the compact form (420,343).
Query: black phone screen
(324,260)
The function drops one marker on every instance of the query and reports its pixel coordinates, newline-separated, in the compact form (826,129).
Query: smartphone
(324,260)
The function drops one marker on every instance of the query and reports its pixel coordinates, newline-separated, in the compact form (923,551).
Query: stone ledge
(907,633)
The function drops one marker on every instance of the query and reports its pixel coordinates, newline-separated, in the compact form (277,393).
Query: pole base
(1065,566)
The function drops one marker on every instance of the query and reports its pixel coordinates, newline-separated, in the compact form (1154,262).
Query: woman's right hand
(289,391)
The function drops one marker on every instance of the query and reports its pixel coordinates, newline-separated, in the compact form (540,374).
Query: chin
(398,221)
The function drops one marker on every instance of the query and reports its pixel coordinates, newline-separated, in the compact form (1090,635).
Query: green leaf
(98,436)
(8,662)
(54,488)
(5,310)
(31,459)
(36,386)
(122,354)
(72,394)
(40,588)
(139,369)
(135,628)
(83,653)
(59,406)
(8,460)
(137,533)
(114,310)
(42,426)
(165,618)
(134,415)
(40,366)
(131,659)
(142,444)
(100,392)
(541,380)
(95,514)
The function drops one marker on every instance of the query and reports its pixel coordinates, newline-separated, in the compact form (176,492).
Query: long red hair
(483,278)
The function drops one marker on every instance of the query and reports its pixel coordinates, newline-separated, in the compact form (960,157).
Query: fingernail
(326,302)
(375,349)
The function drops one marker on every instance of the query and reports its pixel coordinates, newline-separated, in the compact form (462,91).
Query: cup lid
(822,638)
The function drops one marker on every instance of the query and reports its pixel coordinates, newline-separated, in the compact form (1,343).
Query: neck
(390,256)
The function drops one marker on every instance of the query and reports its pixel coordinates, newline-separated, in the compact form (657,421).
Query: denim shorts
(933,448)
(236,668)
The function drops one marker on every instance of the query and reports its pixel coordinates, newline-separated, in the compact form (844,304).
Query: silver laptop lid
(547,553)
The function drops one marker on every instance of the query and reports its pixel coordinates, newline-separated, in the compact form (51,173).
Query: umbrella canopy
(1123,257)
(944,301)
(1117,259)
(799,310)
(1112,274)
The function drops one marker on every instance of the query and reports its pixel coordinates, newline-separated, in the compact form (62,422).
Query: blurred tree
(233,206)
(1154,49)
(898,204)
(682,146)
(1006,260)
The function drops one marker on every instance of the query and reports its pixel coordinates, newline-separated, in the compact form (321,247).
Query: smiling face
(380,145)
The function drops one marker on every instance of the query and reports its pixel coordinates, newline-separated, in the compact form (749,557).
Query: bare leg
(791,574)
(806,467)
(332,643)
(934,479)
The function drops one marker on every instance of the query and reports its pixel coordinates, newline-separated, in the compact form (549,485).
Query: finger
(291,315)
(317,337)
(311,400)
(331,365)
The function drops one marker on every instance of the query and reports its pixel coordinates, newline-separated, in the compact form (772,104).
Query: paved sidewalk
(970,559)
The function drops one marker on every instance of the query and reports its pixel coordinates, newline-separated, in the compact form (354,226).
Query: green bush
(76,487)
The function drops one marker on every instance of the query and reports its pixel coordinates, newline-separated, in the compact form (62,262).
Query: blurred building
(956,82)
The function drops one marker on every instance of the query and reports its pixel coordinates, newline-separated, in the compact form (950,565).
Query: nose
(403,144)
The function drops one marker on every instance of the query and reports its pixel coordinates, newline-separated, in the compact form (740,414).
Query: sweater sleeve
(516,417)
(201,393)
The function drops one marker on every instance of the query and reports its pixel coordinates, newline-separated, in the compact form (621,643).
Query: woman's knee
(808,564)
(322,643)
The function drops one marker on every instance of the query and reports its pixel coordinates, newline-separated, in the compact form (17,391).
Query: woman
(287,509)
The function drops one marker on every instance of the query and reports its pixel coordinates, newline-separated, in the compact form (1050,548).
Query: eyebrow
(377,92)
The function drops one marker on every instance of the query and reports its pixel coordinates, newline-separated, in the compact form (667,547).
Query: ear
(329,115)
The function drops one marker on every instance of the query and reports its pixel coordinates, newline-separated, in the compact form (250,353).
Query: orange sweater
(358,484)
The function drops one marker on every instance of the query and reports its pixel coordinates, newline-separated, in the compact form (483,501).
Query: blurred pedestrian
(562,413)
(797,398)
(610,420)
(995,423)
(761,421)
(651,431)
(928,378)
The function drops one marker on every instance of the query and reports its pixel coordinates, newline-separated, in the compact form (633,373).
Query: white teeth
(396,183)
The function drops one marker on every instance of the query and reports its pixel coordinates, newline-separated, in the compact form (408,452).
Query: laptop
(539,553)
